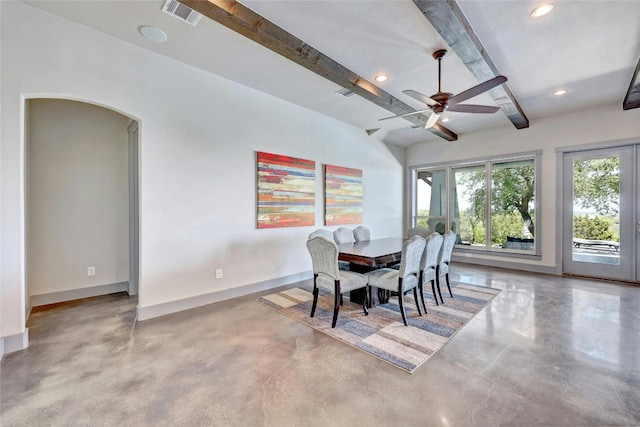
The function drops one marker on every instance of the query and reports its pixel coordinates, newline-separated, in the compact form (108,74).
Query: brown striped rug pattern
(382,333)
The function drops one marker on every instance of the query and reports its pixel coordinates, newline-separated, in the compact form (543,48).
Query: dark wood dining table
(370,255)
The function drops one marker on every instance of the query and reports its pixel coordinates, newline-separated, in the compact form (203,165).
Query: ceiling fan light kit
(446,101)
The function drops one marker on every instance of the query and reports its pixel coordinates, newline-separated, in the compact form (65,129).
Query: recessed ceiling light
(560,92)
(153,33)
(381,77)
(542,10)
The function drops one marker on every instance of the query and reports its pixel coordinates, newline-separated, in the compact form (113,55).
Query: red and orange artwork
(342,195)
(286,191)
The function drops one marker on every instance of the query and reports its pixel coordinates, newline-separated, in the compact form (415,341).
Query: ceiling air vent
(182,12)
(344,92)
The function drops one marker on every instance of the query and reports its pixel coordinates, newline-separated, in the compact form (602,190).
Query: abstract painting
(342,195)
(286,191)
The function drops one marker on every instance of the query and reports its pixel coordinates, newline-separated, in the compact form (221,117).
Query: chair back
(324,255)
(419,231)
(447,247)
(361,233)
(431,252)
(322,233)
(343,235)
(412,251)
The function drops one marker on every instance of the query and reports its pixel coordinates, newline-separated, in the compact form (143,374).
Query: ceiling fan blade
(406,114)
(433,118)
(420,97)
(470,108)
(477,90)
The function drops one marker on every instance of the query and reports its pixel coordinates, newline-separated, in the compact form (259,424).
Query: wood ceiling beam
(632,99)
(243,20)
(449,21)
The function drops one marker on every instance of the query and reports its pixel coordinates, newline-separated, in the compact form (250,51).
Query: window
(431,199)
(468,204)
(489,204)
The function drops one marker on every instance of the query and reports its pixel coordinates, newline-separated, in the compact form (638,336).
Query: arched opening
(81,201)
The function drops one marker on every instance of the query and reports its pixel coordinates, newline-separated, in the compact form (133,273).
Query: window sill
(468,251)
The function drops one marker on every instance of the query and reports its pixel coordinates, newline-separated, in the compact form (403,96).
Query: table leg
(383,295)
(378,296)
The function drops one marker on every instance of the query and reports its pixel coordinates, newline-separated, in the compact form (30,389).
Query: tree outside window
(491,204)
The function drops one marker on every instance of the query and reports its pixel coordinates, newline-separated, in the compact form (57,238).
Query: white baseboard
(16,342)
(146,313)
(74,294)
(533,268)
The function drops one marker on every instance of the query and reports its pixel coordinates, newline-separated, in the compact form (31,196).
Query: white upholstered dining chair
(429,265)
(361,233)
(327,275)
(404,279)
(343,235)
(444,260)
(420,231)
(322,233)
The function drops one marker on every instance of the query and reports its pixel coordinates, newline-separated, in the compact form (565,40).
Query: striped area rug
(382,333)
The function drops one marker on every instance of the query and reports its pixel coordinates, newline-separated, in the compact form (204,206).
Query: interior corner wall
(605,125)
(199,134)
(77,196)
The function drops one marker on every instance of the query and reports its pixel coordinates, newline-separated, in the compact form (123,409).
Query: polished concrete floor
(546,351)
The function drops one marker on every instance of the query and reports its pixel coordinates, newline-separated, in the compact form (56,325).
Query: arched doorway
(81,197)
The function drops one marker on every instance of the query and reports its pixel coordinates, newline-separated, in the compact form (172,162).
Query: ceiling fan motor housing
(442,99)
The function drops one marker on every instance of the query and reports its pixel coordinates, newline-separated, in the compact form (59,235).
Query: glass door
(598,213)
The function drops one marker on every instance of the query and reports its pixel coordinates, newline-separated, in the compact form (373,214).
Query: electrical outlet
(218,273)
(91,271)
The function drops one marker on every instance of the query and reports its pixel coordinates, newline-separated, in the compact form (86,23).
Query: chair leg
(336,304)
(315,296)
(341,300)
(365,301)
(439,293)
(433,290)
(415,297)
(447,277)
(401,302)
(424,304)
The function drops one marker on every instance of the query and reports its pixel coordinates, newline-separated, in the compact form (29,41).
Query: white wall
(78,196)
(198,138)
(606,124)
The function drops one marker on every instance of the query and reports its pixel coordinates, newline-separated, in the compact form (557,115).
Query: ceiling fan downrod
(437,55)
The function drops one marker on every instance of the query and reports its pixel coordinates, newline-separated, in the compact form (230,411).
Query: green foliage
(512,191)
(423,222)
(472,230)
(592,228)
(596,184)
(503,225)
(423,218)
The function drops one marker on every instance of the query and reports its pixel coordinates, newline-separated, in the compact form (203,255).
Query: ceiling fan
(445,101)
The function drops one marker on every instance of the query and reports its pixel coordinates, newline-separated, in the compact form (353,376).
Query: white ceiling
(590,48)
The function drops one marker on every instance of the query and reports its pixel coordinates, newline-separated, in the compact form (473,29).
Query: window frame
(488,163)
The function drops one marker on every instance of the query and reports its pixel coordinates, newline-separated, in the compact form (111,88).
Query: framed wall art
(342,195)
(286,191)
